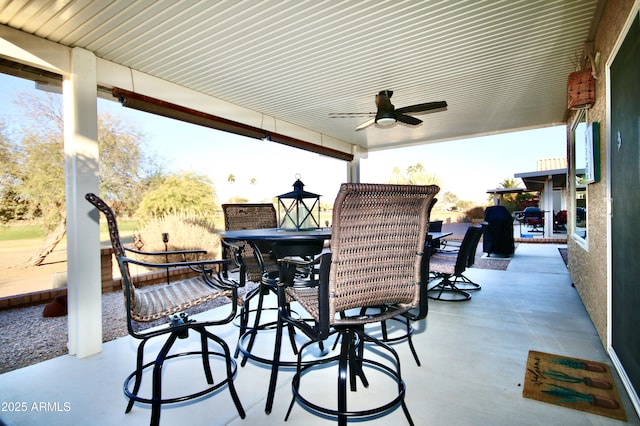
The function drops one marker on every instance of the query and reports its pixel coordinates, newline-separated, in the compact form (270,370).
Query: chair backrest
(114,235)
(533,215)
(252,216)
(377,245)
(468,248)
(471,258)
(249,216)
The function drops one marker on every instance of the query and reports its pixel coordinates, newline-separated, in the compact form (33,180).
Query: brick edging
(109,283)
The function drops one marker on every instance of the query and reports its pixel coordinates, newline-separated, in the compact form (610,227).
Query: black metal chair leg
(345,348)
(357,356)
(157,379)
(204,344)
(244,317)
(474,286)
(410,341)
(448,286)
(138,375)
(383,326)
(230,372)
(256,325)
(274,367)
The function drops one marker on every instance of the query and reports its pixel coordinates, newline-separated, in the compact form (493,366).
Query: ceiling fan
(387,115)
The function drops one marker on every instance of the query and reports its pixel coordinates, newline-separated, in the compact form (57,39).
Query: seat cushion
(443,263)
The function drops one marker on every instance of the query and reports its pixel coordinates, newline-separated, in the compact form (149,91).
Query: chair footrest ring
(194,395)
(388,406)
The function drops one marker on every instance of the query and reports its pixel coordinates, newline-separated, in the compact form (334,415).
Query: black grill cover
(498,231)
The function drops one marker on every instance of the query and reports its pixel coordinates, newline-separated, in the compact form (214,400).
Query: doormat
(573,383)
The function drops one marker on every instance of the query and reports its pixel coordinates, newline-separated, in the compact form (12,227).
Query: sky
(467,168)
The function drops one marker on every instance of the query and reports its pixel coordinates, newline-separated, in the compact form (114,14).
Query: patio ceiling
(501,65)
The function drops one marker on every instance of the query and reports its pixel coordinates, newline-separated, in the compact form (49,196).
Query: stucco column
(354,165)
(83,231)
(547,207)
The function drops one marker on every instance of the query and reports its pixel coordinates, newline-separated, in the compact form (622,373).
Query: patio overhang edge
(167,109)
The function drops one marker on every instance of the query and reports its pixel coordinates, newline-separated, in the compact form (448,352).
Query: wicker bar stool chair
(162,310)
(377,260)
(261,267)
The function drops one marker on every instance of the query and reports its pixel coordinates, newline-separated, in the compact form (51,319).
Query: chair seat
(308,298)
(443,263)
(160,301)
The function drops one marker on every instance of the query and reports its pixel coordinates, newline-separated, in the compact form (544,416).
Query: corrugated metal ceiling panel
(501,65)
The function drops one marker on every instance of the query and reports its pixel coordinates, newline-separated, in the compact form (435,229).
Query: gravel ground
(27,337)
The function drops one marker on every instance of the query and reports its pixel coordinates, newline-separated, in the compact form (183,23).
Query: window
(579,184)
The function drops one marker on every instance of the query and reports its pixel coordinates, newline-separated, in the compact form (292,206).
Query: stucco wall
(588,266)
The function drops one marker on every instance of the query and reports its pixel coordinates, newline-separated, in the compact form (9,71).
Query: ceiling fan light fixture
(386,122)
(385,118)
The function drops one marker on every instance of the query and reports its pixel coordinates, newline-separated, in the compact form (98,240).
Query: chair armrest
(176,264)
(203,267)
(163,253)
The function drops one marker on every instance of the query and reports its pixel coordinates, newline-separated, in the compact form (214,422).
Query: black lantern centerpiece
(296,209)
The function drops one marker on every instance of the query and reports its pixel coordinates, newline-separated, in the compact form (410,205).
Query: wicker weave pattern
(378,238)
(251,216)
(160,301)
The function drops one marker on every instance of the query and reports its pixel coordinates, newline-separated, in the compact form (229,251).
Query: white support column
(547,207)
(83,230)
(354,165)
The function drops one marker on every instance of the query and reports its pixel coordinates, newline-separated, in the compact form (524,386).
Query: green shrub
(475,213)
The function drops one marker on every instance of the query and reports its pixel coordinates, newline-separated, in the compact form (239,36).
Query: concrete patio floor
(473,364)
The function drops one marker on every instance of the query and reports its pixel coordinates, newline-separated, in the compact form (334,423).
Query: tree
(509,200)
(186,193)
(415,175)
(40,169)
(39,165)
(509,183)
(126,167)
(12,206)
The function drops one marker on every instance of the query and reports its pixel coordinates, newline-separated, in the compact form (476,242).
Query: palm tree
(231,178)
(509,183)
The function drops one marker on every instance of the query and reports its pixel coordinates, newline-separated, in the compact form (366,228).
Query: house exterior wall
(588,265)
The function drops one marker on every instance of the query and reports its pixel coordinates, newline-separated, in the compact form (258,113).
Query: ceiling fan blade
(421,108)
(366,124)
(351,114)
(407,119)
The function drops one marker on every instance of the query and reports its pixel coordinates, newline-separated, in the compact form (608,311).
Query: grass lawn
(21,232)
(36,232)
